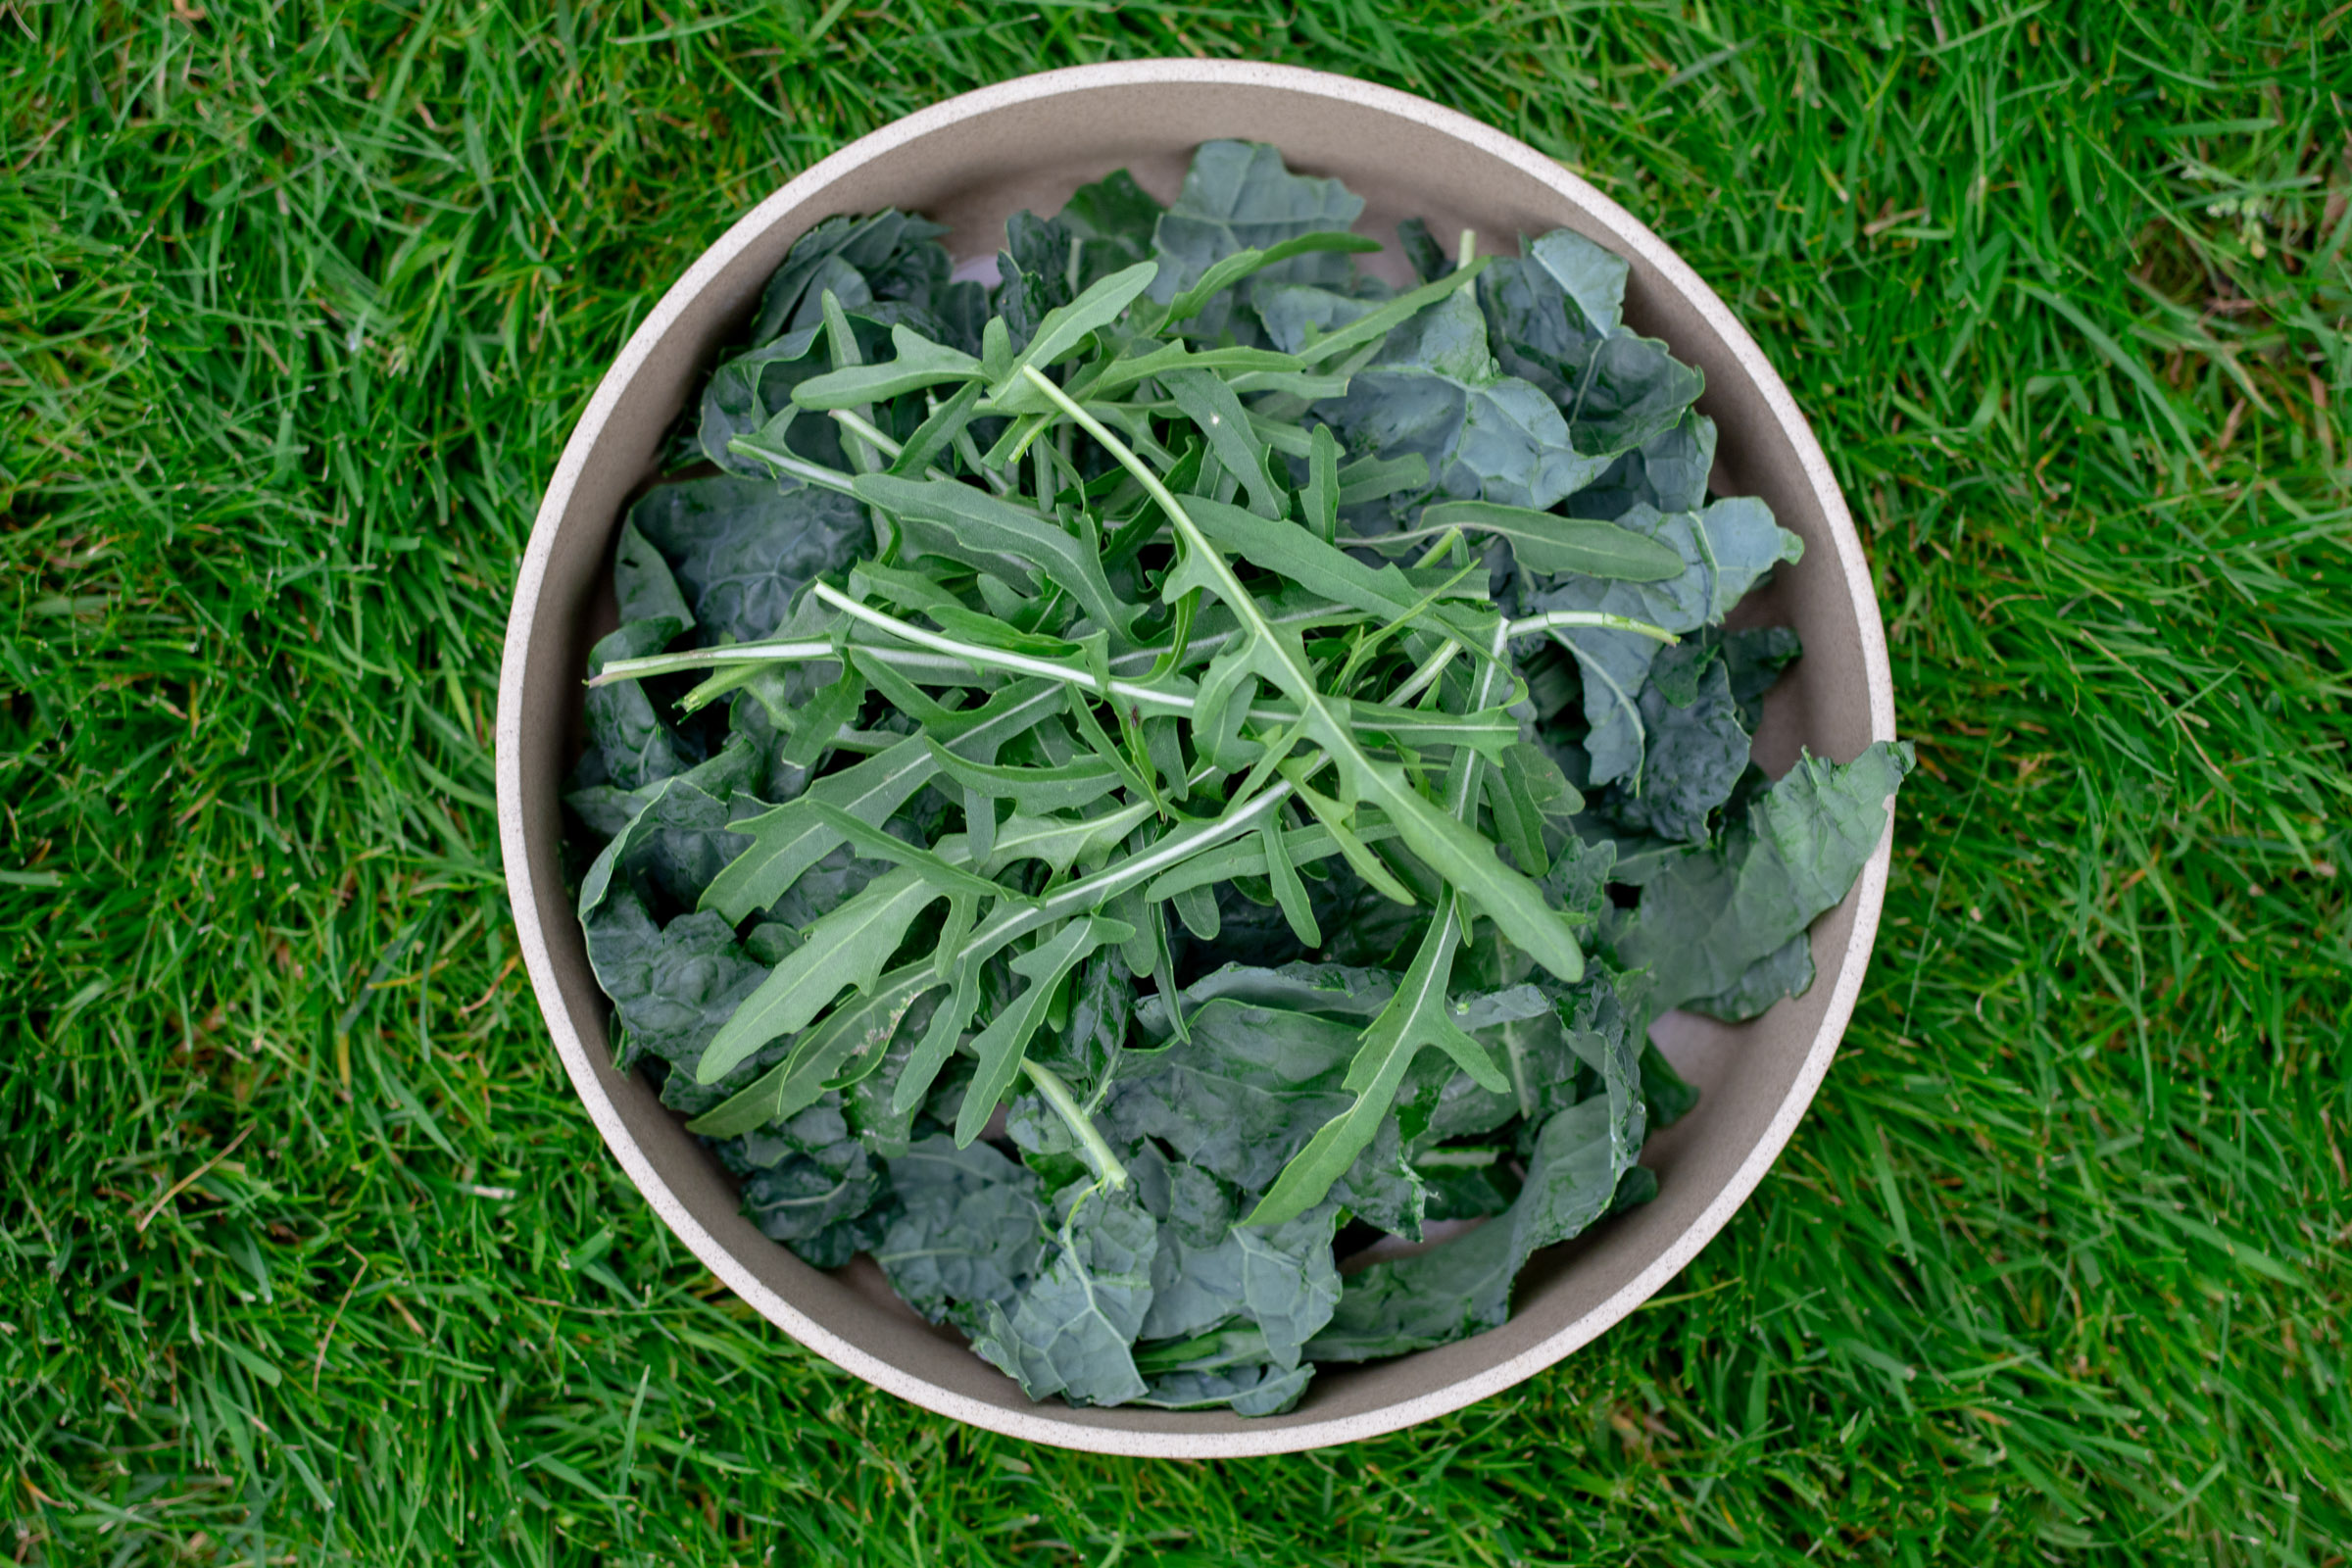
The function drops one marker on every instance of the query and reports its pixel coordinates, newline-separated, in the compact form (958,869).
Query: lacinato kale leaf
(1580,1158)
(1071,1331)
(1702,924)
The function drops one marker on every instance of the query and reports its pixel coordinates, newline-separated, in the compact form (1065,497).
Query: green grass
(307,1253)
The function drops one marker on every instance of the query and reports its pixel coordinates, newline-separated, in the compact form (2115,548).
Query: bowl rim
(1045,1423)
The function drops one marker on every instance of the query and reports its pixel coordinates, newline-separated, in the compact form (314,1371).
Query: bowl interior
(969,164)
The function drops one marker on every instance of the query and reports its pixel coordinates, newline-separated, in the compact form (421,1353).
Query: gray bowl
(969,162)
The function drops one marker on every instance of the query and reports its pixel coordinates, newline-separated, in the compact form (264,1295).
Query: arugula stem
(1550,619)
(784,461)
(890,449)
(1057,1094)
(713,657)
(1022,663)
(1436,553)
(1430,668)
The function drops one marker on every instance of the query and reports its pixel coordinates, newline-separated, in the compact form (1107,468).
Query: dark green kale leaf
(1467,1191)
(1360,925)
(675,831)
(1668,471)
(1753,659)
(1254,1390)
(749,391)
(1086,1050)
(972,1227)
(1795,853)
(1557,317)
(1536,323)
(891,1132)
(643,583)
(1625,391)
(844,1239)
(1422,250)
(1465,1286)
(1729,548)
(671,986)
(864,245)
(1236,197)
(1696,748)
(1034,272)
(1785,971)
(1434,392)
(742,547)
(809,1175)
(1666,1094)
(1208,1271)
(1245,1090)
(1114,218)
(1071,1329)
(633,742)
(1555,1043)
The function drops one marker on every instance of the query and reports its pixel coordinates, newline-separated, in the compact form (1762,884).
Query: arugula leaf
(1230,269)
(1794,854)
(860,1031)
(1449,846)
(1001,1046)
(962,522)
(1542,541)
(793,836)
(1065,327)
(920,364)
(843,951)
(1036,790)
(1217,414)
(1326,990)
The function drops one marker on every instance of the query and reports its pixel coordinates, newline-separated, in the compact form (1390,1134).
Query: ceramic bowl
(969,162)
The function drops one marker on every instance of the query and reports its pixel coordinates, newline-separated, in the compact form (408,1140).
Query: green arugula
(1258,744)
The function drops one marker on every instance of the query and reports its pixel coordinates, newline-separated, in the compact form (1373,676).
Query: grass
(307,1253)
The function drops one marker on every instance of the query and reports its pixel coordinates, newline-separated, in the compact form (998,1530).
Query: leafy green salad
(1118,790)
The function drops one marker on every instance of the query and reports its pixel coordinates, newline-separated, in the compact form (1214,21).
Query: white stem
(1553,618)
(990,658)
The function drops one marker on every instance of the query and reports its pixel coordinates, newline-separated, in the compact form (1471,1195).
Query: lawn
(306,1252)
